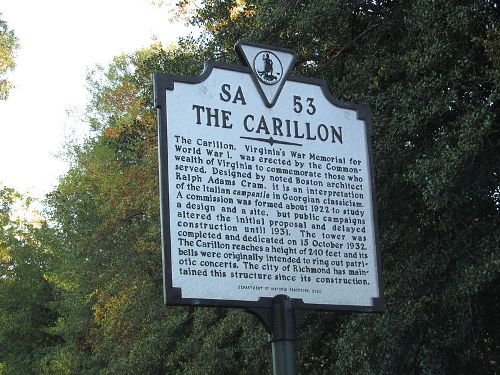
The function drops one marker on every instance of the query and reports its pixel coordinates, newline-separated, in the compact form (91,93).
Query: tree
(25,293)
(107,252)
(8,47)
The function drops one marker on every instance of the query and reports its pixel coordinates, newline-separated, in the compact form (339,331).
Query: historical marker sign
(266,188)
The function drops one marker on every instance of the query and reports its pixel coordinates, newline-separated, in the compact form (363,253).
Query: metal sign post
(283,336)
(267,199)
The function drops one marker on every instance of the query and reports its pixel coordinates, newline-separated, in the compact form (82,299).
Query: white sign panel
(261,200)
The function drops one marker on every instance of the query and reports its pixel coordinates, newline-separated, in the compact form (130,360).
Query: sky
(60,40)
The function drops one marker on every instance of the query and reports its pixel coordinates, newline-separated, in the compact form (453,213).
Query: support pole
(283,336)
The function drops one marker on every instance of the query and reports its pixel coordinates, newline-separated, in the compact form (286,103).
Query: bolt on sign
(266,185)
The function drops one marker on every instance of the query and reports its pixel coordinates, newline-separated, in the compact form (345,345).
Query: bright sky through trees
(59,41)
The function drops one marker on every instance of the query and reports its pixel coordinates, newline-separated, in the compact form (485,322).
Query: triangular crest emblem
(270,67)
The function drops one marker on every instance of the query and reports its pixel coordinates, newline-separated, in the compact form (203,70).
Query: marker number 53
(298,107)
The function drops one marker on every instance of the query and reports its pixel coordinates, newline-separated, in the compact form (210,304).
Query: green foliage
(25,293)
(8,47)
(106,212)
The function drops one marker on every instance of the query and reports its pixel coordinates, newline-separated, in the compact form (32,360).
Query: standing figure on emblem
(267,73)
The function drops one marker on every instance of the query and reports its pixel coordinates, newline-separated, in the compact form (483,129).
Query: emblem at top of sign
(269,67)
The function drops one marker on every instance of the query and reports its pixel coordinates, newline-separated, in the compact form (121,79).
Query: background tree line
(8,47)
(83,295)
